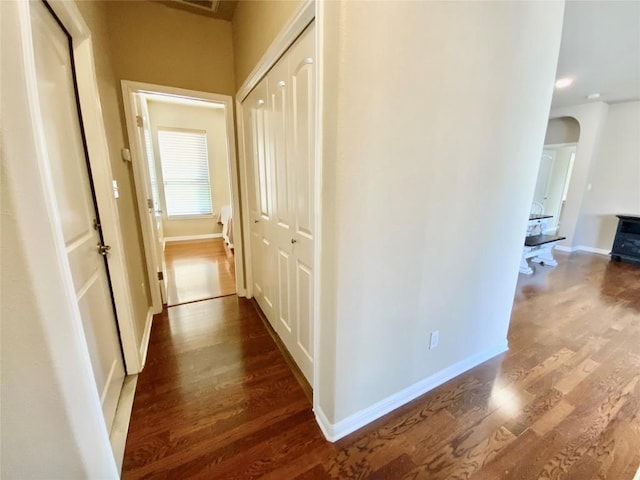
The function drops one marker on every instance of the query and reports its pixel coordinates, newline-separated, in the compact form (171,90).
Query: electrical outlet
(433,340)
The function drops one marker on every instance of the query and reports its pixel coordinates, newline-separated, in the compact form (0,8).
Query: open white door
(152,179)
(75,205)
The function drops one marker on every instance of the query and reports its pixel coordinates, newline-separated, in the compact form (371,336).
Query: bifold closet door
(260,199)
(300,147)
(280,153)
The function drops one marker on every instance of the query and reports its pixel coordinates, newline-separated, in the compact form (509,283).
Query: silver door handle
(103,249)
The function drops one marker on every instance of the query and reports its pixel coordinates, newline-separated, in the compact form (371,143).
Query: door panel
(304,282)
(74,202)
(284,294)
(152,181)
(302,152)
(259,171)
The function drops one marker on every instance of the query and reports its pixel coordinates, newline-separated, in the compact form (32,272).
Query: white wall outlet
(433,340)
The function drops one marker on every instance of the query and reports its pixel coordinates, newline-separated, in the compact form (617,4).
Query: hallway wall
(255,25)
(155,44)
(442,71)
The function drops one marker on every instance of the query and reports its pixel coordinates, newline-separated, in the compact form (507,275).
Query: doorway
(552,185)
(186,182)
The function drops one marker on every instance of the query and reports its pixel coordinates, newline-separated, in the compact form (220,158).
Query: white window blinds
(185,172)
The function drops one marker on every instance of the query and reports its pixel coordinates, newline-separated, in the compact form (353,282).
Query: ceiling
(600,50)
(221,9)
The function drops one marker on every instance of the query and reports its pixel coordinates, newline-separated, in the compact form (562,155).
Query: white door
(301,149)
(152,180)
(260,200)
(279,112)
(75,205)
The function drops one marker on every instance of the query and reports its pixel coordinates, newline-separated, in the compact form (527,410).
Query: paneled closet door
(279,135)
(283,181)
(259,172)
(301,150)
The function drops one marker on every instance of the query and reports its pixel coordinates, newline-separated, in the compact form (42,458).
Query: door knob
(256,221)
(104,249)
(293,240)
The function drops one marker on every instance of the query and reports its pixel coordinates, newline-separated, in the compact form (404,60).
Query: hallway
(217,399)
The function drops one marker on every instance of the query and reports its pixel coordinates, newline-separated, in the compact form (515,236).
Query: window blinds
(185,172)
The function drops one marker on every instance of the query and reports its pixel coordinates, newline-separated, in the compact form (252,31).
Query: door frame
(129,90)
(102,174)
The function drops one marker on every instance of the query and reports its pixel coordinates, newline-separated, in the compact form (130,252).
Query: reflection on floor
(198,270)
(216,399)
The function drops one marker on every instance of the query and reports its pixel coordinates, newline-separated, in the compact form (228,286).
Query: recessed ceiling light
(564,82)
(593,96)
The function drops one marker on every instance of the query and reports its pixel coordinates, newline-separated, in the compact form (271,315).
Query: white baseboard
(144,344)
(120,427)
(335,431)
(599,251)
(583,248)
(186,238)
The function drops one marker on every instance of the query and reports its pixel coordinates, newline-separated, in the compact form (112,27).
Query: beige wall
(562,130)
(212,120)
(95,14)
(255,25)
(614,178)
(155,44)
(481,71)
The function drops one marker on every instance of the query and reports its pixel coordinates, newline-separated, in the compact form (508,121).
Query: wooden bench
(539,248)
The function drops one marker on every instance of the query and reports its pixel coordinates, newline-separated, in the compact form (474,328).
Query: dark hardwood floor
(217,400)
(199,270)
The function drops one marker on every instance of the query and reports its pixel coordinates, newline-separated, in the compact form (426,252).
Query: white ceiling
(600,50)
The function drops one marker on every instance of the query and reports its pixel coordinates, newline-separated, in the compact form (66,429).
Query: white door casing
(260,173)
(75,204)
(153,200)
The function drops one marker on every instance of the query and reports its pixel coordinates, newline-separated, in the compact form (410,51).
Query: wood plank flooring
(199,270)
(217,401)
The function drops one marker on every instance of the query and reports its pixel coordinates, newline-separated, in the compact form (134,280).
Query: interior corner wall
(591,118)
(212,120)
(255,25)
(395,106)
(95,15)
(614,178)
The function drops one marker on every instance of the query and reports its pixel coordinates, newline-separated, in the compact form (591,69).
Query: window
(185,172)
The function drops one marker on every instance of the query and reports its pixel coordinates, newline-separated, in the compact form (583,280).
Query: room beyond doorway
(187,188)
(199,270)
